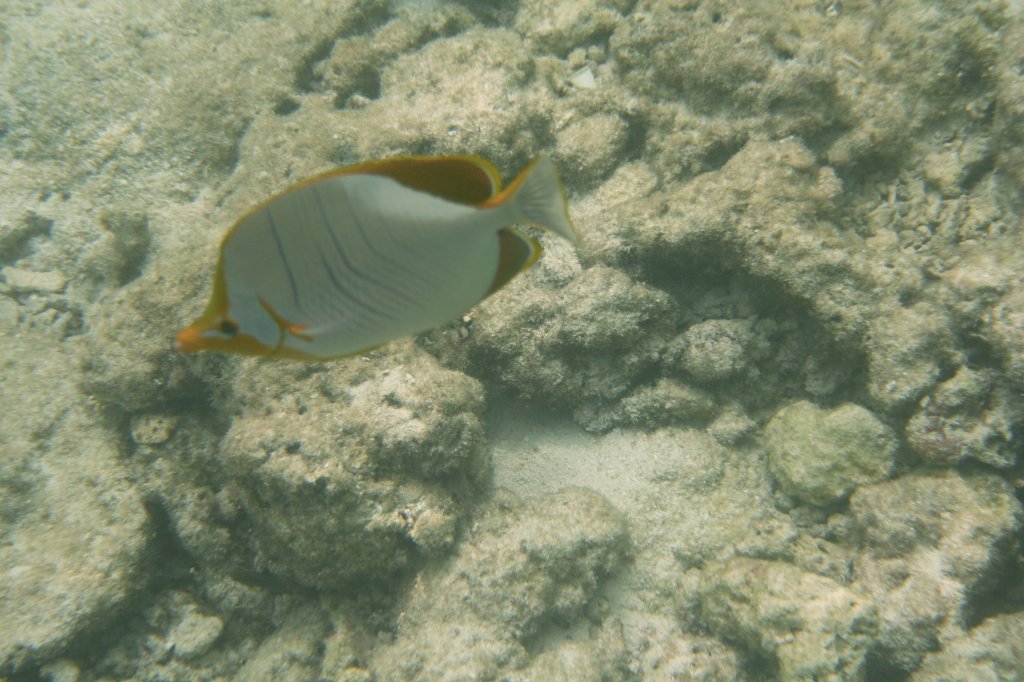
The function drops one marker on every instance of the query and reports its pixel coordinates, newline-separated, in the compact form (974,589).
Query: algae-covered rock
(551,554)
(128,359)
(935,545)
(116,109)
(813,627)
(73,531)
(337,474)
(525,565)
(990,652)
(821,455)
(292,653)
(561,27)
(731,58)
(777,202)
(972,519)
(174,634)
(1007,331)
(769,212)
(352,69)
(587,342)
(589,148)
(906,352)
(1009,109)
(605,655)
(194,633)
(667,402)
(971,415)
(716,350)
(450,93)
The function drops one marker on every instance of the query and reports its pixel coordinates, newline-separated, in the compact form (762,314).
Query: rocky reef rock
(819,456)
(74,534)
(935,546)
(810,626)
(337,474)
(526,565)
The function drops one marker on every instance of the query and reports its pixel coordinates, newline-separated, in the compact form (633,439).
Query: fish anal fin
(517,252)
(290,353)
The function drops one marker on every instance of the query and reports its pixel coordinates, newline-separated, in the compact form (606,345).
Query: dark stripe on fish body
(383,257)
(330,228)
(419,253)
(351,320)
(382,227)
(284,259)
(343,266)
(345,302)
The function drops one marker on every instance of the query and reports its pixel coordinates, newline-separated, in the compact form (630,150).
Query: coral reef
(764,423)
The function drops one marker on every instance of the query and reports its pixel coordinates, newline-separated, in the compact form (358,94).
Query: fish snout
(189,340)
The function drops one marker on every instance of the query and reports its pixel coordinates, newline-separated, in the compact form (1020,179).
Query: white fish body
(348,262)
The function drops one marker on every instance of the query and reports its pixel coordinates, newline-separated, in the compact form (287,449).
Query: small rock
(716,350)
(821,455)
(666,402)
(153,429)
(591,147)
(731,426)
(61,670)
(433,529)
(524,566)
(74,528)
(937,544)
(194,634)
(291,652)
(14,235)
(28,281)
(950,168)
(1006,331)
(970,415)
(906,352)
(561,26)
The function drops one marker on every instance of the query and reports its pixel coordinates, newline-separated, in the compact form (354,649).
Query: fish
(351,259)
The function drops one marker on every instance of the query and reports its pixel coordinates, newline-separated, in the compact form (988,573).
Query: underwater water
(763,423)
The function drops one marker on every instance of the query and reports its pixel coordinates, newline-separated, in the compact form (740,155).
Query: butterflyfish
(351,259)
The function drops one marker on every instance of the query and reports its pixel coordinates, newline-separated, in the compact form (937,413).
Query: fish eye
(228,327)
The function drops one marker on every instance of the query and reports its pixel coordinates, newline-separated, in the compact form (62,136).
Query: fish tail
(538,198)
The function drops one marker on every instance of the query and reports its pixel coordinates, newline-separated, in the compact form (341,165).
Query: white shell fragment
(583,78)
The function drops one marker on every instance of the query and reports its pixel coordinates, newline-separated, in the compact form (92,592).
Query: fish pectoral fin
(299,331)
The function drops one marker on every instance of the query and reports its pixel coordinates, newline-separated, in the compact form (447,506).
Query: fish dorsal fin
(518,252)
(466,179)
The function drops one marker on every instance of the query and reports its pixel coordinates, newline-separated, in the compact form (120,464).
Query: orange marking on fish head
(222,334)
